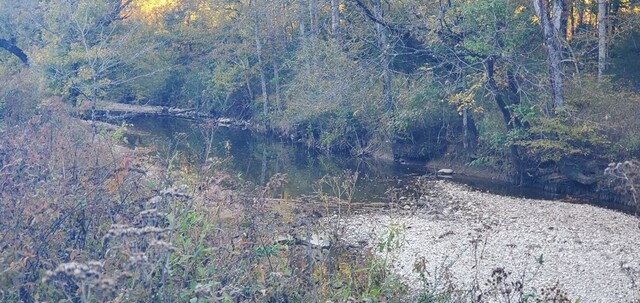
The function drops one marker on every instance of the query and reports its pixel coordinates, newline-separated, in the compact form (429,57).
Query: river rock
(284,239)
(445,171)
(316,240)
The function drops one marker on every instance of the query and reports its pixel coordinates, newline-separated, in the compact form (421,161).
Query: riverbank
(447,218)
(462,236)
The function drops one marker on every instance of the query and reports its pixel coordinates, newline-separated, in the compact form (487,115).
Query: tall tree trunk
(383,45)
(470,132)
(263,78)
(602,37)
(313,17)
(247,78)
(301,25)
(579,22)
(465,125)
(303,36)
(572,21)
(274,57)
(276,79)
(335,18)
(613,11)
(550,22)
(313,25)
(564,20)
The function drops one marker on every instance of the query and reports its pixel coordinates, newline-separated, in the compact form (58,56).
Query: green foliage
(328,105)
(495,27)
(88,53)
(119,134)
(420,105)
(624,64)
(610,107)
(556,137)
(492,140)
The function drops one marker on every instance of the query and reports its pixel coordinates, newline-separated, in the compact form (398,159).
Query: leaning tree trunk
(550,22)
(14,50)
(510,120)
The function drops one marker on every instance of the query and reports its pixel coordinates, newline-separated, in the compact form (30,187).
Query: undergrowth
(83,220)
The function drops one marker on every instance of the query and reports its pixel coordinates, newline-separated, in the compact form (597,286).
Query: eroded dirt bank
(591,253)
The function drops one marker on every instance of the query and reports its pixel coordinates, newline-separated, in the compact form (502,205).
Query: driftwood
(112,111)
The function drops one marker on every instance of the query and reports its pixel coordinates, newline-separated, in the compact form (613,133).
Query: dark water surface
(256,157)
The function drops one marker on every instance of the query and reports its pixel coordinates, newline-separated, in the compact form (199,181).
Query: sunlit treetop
(189,11)
(152,10)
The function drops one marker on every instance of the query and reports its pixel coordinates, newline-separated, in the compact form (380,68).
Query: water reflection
(257,158)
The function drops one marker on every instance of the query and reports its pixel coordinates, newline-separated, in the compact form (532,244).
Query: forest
(538,92)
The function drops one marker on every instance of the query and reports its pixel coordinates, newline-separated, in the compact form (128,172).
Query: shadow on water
(256,158)
(506,189)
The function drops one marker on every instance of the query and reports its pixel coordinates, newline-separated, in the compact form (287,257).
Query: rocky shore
(460,236)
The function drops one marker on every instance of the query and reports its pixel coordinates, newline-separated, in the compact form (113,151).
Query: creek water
(257,157)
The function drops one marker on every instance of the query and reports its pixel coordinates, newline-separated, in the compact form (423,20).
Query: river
(256,158)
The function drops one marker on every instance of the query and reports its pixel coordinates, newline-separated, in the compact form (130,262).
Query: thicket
(83,220)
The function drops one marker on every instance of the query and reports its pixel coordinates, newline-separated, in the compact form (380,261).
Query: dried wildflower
(203,289)
(136,258)
(105,283)
(176,192)
(76,270)
(162,244)
(118,230)
(150,217)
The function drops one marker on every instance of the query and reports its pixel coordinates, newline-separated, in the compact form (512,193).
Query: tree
(258,39)
(383,46)
(93,48)
(550,23)
(335,18)
(274,36)
(602,36)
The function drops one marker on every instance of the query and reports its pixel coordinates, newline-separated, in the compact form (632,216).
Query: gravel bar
(591,253)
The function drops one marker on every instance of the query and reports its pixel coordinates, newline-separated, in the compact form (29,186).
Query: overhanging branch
(16,51)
